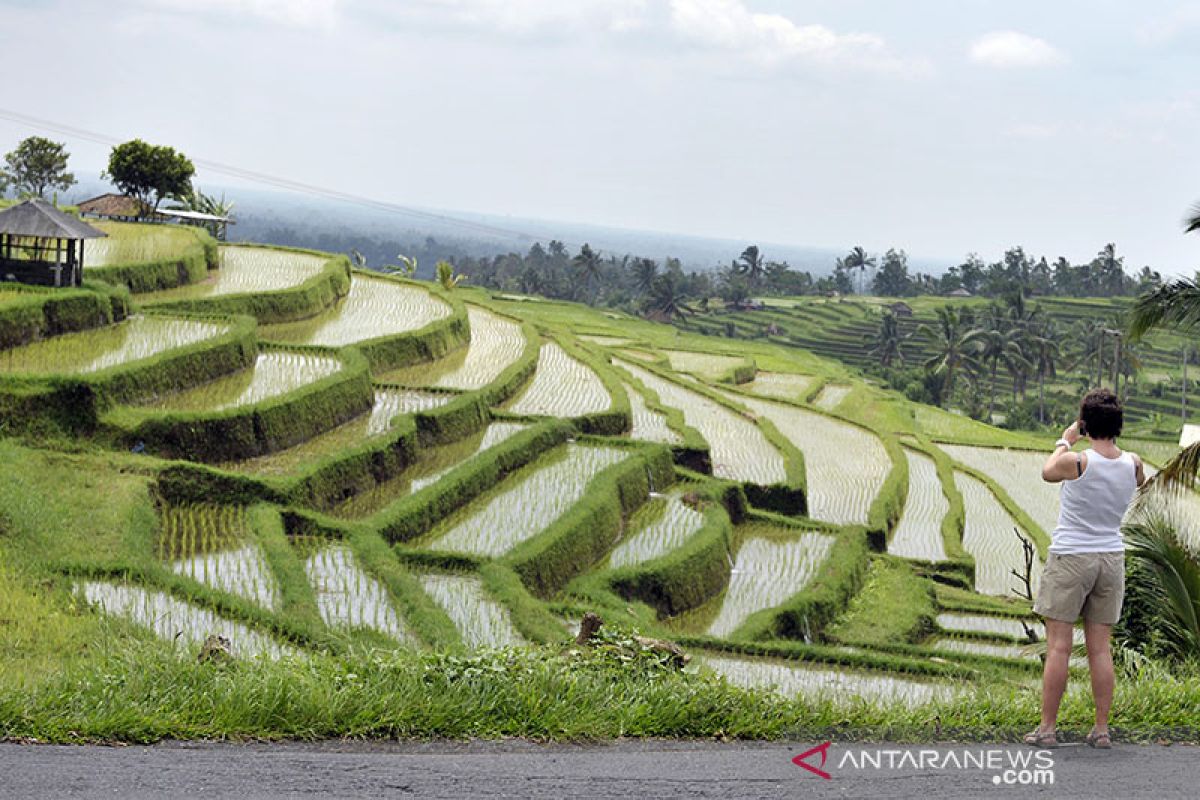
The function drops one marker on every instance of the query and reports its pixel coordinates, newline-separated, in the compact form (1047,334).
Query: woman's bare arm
(1063,465)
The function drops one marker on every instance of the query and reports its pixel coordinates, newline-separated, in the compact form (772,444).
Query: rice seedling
(526,503)
(561,387)
(176,621)
(831,396)
(661,525)
(374,307)
(99,348)
(988,536)
(781,385)
(481,621)
(349,598)
(648,426)
(208,544)
(740,451)
(605,341)
(245,270)
(919,532)
(131,243)
(767,571)
(274,373)
(496,342)
(840,489)
(430,466)
(816,683)
(639,355)
(703,365)
(1019,473)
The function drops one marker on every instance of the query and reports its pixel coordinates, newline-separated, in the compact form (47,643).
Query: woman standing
(1085,571)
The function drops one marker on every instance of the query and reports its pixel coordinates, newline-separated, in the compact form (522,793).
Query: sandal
(1040,738)
(1099,740)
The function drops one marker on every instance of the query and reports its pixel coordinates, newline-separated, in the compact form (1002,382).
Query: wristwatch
(1062,443)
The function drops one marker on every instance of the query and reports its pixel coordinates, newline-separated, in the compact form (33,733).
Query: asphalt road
(625,769)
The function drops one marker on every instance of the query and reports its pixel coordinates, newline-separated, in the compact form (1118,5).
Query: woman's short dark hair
(1101,414)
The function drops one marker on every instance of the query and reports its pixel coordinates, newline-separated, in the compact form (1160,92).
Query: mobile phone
(1082,428)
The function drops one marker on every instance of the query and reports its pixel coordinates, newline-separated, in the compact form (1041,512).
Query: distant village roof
(960,292)
(110,205)
(900,309)
(180,213)
(42,220)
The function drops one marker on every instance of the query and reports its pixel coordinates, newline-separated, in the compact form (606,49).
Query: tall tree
(857,259)
(668,296)
(150,173)
(645,270)
(999,344)
(1045,350)
(587,264)
(954,346)
(892,278)
(887,344)
(36,166)
(751,264)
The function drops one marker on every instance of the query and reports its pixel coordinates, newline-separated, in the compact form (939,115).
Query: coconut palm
(645,270)
(587,263)
(667,296)
(1175,588)
(857,259)
(887,344)
(751,264)
(999,343)
(954,346)
(1045,351)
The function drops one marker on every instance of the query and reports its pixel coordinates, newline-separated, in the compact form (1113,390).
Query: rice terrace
(302,477)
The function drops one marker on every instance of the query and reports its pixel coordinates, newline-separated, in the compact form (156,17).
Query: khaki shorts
(1089,583)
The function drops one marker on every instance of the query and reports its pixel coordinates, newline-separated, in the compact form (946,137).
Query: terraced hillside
(308,459)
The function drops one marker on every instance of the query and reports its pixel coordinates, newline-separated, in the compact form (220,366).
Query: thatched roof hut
(112,206)
(40,244)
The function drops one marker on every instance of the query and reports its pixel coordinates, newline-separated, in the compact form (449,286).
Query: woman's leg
(1100,665)
(1054,676)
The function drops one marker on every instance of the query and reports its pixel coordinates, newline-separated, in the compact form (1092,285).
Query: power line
(279,183)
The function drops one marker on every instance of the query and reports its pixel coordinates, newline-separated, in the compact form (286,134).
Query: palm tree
(1175,588)
(667,296)
(1045,351)
(887,343)
(954,346)
(999,343)
(645,270)
(751,264)
(588,264)
(858,259)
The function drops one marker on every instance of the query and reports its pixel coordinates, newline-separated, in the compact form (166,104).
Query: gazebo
(41,245)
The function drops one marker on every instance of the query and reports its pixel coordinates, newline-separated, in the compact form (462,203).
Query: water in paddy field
(496,343)
(833,683)
(109,346)
(1004,626)
(1019,474)
(661,525)
(919,532)
(779,385)
(174,620)
(347,597)
(561,387)
(246,270)
(648,425)
(605,341)
(275,373)
(840,490)
(432,465)
(739,450)
(374,307)
(526,503)
(480,620)
(389,403)
(831,396)
(703,365)
(988,535)
(212,545)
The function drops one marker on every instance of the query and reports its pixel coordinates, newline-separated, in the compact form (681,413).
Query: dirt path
(620,770)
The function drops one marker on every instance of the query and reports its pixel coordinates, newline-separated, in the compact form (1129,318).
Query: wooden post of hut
(41,245)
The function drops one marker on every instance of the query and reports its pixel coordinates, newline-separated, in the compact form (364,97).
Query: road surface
(640,769)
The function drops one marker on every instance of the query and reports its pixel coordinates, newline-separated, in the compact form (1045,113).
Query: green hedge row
(582,536)
(888,505)
(691,575)
(420,511)
(38,313)
(306,299)
(430,342)
(805,614)
(190,266)
(253,430)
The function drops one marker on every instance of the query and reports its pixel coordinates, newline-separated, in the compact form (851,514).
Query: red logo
(823,749)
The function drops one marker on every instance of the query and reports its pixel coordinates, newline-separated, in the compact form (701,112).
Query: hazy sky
(941,126)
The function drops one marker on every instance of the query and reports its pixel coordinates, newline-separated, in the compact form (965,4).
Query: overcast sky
(941,126)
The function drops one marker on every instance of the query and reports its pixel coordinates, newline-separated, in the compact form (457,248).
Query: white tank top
(1093,505)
